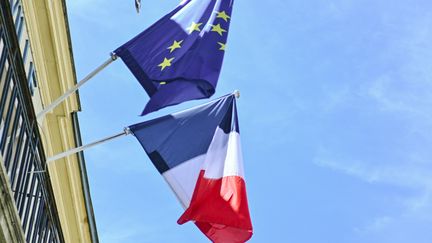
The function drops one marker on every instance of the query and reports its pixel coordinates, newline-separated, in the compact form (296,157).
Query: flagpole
(54,104)
(125,132)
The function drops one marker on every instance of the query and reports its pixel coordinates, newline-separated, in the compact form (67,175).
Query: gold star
(217,28)
(194,27)
(175,45)
(222,46)
(223,15)
(166,63)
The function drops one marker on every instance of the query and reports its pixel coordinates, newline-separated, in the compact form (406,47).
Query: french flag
(198,153)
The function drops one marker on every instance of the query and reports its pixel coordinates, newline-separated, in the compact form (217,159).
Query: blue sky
(335,117)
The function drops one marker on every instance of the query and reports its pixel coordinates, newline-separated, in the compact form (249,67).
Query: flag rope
(59,100)
(125,132)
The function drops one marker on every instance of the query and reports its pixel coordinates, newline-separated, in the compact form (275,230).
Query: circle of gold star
(194,27)
(217,28)
(175,45)
(223,15)
(222,46)
(166,63)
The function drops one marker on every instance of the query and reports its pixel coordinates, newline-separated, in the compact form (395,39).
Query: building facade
(39,202)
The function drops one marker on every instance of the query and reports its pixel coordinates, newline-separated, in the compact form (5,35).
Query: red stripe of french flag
(219,204)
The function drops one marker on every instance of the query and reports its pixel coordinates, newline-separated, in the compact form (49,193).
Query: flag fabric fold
(179,58)
(198,153)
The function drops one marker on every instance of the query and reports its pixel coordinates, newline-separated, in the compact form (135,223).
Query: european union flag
(179,58)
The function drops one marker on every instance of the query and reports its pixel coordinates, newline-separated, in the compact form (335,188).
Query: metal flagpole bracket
(138,5)
(236,93)
(113,56)
(127,131)
(69,92)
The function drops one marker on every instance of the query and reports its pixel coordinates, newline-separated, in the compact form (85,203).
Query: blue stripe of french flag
(198,153)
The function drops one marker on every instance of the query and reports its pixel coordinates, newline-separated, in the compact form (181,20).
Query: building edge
(78,142)
(85,182)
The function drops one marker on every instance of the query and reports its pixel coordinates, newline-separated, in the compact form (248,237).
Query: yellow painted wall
(49,38)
